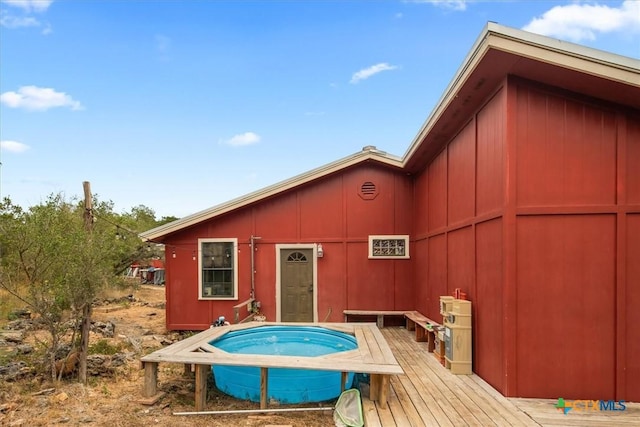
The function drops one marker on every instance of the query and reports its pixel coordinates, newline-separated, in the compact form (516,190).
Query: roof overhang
(500,52)
(368,154)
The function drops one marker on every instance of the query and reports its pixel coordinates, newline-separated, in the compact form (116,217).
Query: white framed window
(218,269)
(389,246)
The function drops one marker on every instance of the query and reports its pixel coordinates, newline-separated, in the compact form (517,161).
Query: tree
(53,265)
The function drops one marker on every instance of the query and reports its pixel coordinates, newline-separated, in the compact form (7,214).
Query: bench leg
(410,324)
(380,321)
(374,387)
(431,341)
(343,381)
(150,379)
(420,334)
(202,375)
(384,391)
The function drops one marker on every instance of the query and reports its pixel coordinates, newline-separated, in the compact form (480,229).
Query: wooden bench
(426,329)
(379,314)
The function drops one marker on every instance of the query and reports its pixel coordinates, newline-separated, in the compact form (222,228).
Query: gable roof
(498,52)
(501,51)
(368,154)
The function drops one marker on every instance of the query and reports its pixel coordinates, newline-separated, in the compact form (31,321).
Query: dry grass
(114,401)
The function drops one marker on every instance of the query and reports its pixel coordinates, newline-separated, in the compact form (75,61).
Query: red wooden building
(522,188)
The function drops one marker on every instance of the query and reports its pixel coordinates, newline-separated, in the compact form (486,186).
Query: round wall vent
(368,191)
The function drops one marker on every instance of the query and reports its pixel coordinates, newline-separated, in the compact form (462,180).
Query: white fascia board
(359,157)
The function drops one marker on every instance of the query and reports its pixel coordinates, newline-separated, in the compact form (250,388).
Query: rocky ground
(126,327)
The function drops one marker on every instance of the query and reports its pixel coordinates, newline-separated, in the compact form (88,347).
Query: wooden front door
(296,285)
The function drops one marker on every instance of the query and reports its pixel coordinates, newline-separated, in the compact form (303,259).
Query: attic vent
(368,191)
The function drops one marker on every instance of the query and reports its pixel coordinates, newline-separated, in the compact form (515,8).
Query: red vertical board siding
(404,292)
(332,283)
(488,304)
(376,216)
(277,218)
(631,366)
(633,160)
(632,299)
(490,157)
(404,295)
(437,273)
(421,276)
(321,210)
(420,254)
(461,176)
(566,152)
(438,192)
(421,204)
(461,262)
(566,306)
(370,282)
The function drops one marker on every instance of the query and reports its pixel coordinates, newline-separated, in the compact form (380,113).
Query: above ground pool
(285,385)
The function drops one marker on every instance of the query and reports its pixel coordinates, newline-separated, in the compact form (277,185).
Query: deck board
(429,395)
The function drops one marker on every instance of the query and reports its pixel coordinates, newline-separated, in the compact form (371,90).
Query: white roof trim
(545,49)
(368,153)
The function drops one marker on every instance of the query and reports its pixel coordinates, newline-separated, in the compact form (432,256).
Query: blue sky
(182,105)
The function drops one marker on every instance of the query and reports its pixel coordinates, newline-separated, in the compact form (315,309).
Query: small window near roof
(389,247)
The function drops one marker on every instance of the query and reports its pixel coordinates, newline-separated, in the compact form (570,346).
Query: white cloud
(448,4)
(35,98)
(368,72)
(583,21)
(10,21)
(24,18)
(13,146)
(29,5)
(247,138)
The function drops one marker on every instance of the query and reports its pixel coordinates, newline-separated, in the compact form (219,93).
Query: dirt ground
(114,399)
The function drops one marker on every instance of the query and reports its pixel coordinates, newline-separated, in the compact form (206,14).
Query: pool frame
(373,356)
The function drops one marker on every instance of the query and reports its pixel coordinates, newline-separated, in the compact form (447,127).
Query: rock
(61,397)
(24,349)
(107,329)
(15,337)
(121,359)
(14,371)
(63,351)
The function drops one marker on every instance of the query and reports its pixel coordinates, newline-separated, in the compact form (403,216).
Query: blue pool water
(285,385)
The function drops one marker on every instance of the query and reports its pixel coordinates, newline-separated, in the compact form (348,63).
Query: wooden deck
(372,356)
(429,395)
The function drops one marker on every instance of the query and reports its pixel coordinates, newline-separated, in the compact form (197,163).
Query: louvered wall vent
(368,191)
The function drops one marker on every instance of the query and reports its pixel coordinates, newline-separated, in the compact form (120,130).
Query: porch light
(320,250)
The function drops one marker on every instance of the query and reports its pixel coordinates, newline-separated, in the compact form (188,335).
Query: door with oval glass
(296,285)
